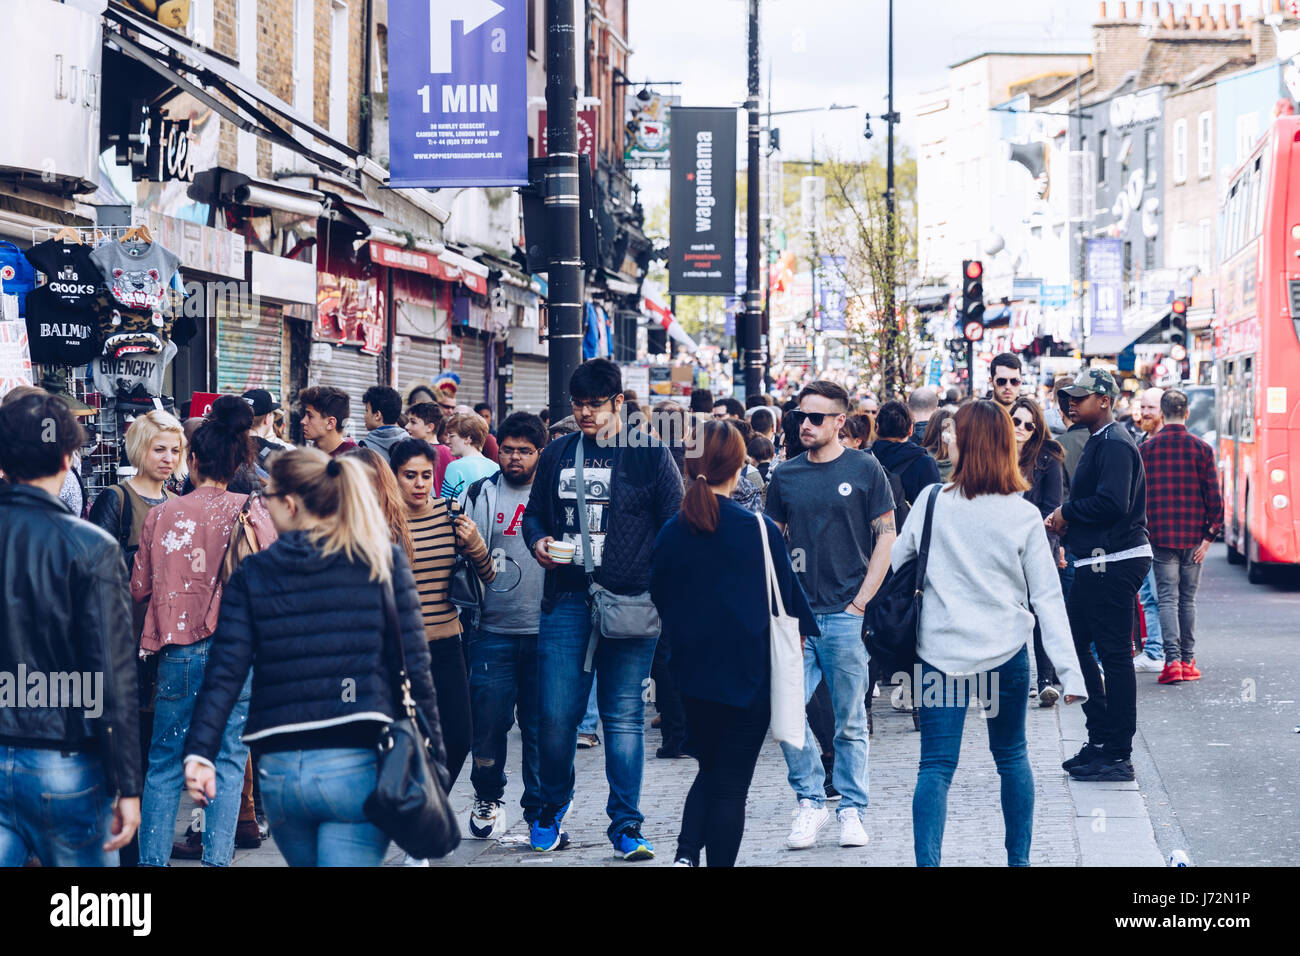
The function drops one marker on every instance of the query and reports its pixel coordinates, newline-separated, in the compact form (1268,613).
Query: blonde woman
(308,615)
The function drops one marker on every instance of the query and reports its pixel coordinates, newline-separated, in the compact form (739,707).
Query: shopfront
(349,336)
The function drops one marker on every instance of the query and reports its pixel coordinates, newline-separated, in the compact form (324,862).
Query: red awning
(414,260)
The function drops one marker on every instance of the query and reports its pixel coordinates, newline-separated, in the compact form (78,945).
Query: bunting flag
(652,305)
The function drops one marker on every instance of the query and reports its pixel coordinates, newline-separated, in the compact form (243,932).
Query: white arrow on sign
(472,14)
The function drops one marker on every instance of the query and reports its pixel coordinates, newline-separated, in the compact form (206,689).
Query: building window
(1247,123)
(1149,156)
(1103,156)
(1180,151)
(1149,255)
(304,40)
(532,25)
(339,69)
(1204,146)
(1204,245)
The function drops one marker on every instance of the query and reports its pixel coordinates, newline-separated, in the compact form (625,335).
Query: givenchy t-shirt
(70,272)
(118,376)
(58,334)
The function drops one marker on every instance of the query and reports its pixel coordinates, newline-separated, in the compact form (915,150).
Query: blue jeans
(623,667)
(591,719)
(314,800)
(941,728)
(839,656)
(1154,646)
(54,807)
(503,683)
(180,675)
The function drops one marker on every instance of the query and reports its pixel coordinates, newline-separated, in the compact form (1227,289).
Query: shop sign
(348,313)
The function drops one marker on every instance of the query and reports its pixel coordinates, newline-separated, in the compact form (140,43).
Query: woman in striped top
(437,539)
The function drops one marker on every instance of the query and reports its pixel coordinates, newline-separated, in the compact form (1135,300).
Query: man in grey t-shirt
(503,647)
(837,512)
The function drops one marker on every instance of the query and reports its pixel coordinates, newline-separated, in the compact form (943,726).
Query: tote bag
(789,720)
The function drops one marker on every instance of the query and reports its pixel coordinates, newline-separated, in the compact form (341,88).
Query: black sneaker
(1103,770)
(1088,754)
(832,794)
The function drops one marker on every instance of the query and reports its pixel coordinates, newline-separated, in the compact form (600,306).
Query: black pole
(752,357)
(891,369)
(564,265)
(766,276)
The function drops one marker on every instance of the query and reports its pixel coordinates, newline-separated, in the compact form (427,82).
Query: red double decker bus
(1257,353)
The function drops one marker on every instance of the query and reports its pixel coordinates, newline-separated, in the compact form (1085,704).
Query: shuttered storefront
(531,384)
(249,351)
(472,369)
(417,364)
(353,371)
(419,325)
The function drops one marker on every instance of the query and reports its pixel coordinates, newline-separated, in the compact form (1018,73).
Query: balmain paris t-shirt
(59,334)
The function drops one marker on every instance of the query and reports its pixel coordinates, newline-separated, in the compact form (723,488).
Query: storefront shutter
(351,370)
(531,384)
(249,351)
(418,364)
(472,369)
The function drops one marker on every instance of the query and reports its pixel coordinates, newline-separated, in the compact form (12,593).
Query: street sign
(702,202)
(458,95)
(974,331)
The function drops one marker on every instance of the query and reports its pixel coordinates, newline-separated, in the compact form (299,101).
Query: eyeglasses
(816,418)
(593,404)
(719,416)
(1003,382)
(511,452)
(1021,423)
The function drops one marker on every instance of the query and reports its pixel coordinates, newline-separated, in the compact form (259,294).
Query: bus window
(1227,388)
(1246,409)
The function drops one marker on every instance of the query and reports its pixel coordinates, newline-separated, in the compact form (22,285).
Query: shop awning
(197,72)
(448,266)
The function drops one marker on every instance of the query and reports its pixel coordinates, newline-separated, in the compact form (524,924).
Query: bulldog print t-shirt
(597,473)
(138,274)
(70,272)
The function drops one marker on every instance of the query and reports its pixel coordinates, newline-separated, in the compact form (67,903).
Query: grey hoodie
(383,438)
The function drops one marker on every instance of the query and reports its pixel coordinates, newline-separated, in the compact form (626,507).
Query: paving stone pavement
(1074,824)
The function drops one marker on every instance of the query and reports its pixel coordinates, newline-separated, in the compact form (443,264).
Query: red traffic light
(974,269)
(1179,307)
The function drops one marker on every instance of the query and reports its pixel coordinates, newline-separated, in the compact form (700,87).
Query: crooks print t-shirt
(597,473)
(70,274)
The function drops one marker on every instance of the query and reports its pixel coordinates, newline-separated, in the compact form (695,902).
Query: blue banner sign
(1106,286)
(458,95)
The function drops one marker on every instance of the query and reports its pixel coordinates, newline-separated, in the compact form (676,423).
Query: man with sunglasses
(1104,525)
(502,647)
(1005,373)
(837,513)
(630,488)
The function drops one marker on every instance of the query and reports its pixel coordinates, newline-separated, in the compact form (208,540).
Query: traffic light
(1174,327)
(972,299)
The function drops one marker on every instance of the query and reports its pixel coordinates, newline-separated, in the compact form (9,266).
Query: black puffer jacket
(65,611)
(312,630)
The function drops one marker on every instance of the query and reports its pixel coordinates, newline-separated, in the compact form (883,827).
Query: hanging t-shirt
(70,272)
(118,376)
(597,471)
(58,334)
(138,274)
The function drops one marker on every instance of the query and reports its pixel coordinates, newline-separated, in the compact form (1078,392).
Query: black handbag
(465,589)
(893,618)
(410,802)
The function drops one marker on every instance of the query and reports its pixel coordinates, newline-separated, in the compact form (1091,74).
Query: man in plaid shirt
(1184,514)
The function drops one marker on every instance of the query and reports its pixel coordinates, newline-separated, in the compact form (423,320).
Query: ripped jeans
(503,685)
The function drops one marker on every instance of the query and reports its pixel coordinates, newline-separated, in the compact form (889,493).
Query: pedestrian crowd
(252,618)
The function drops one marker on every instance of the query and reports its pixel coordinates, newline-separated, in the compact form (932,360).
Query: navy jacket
(915,467)
(312,630)
(1107,510)
(1047,488)
(646,490)
(719,647)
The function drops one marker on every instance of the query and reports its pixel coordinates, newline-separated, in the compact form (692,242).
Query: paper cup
(561,552)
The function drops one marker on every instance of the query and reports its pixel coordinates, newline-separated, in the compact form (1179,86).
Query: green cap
(1092,381)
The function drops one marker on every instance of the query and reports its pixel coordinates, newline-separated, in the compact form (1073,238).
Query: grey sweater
(989,564)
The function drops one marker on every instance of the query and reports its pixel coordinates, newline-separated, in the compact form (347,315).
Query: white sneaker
(808,822)
(851,832)
(1145,665)
(484,818)
(408,860)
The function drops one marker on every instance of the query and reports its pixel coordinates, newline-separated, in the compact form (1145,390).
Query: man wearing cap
(263,404)
(1104,529)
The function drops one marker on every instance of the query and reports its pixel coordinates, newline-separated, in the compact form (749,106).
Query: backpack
(902,507)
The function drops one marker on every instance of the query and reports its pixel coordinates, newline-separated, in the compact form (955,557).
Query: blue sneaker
(631,845)
(545,834)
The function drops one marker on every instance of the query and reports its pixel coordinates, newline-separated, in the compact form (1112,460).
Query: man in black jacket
(68,722)
(914,467)
(1104,527)
(630,488)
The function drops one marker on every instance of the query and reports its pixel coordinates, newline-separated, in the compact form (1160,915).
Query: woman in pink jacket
(178,571)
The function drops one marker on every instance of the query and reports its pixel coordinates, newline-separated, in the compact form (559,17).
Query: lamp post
(749,344)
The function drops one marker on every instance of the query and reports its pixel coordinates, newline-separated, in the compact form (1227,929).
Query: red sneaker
(1190,671)
(1172,674)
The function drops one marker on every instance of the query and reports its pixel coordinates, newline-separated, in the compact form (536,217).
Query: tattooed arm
(884,533)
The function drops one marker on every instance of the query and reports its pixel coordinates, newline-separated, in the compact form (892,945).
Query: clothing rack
(89,235)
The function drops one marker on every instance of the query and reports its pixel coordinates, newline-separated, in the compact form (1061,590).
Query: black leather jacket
(66,611)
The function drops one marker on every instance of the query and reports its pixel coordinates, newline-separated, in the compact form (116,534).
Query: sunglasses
(1003,382)
(1022,423)
(816,418)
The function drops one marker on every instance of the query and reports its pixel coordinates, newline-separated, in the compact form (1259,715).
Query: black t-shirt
(58,334)
(597,472)
(72,275)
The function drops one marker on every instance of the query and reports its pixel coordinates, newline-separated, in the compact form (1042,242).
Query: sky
(836,51)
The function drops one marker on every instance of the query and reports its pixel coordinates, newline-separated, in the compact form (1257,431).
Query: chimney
(1123,11)
(1101,17)
(1169,22)
(1236,16)
(1189,18)
(1207,21)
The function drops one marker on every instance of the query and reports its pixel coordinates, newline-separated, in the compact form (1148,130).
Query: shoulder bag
(243,542)
(465,590)
(613,616)
(410,802)
(893,618)
(789,717)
